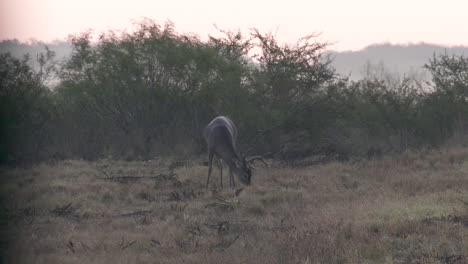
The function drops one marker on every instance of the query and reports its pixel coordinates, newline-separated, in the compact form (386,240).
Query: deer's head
(244,171)
(245,168)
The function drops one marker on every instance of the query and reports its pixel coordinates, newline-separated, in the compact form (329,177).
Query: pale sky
(350,24)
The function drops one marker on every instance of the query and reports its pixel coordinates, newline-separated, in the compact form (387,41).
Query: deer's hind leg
(210,166)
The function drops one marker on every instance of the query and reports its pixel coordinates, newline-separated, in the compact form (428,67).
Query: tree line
(150,92)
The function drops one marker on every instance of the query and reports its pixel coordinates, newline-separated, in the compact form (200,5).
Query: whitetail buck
(220,135)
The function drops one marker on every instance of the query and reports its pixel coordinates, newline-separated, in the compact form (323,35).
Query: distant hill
(397,59)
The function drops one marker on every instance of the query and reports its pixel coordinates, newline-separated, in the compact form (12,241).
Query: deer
(220,135)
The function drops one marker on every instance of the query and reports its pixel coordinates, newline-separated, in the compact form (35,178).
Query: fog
(395,59)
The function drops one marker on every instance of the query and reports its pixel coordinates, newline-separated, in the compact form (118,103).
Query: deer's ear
(244,161)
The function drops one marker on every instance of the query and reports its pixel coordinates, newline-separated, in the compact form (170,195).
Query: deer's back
(220,134)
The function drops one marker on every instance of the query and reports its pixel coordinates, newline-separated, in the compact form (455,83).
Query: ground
(406,208)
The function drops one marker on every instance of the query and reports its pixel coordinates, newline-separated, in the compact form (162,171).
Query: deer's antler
(250,160)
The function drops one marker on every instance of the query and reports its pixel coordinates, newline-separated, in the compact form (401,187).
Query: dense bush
(25,111)
(150,92)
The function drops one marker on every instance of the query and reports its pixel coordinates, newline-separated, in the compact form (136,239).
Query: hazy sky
(351,24)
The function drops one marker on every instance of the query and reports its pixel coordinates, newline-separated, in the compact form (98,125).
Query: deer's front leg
(232,183)
(220,162)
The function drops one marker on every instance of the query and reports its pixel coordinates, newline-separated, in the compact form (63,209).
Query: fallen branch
(220,227)
(129,245)
(102,171)
(85,246)
(71,246)
(226,244)
(126,179)
(123,245)
(62,210)
(223,202)
(465,202)
(141,212)
(65,211)
(232,242)
(155,243)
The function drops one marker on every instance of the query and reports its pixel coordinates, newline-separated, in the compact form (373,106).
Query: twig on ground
(124,245)
(71,246)
(155,243)
(223,202)
(85,246)
(128,245)
(464,202)
(65,211)
(103,172)
(141,212)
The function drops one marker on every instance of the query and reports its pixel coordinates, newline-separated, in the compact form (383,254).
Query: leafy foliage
(150,92)
(25,110)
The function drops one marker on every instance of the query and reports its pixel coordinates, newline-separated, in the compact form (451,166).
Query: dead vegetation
(410,208)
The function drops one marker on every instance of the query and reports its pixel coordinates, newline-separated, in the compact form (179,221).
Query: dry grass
(407,209)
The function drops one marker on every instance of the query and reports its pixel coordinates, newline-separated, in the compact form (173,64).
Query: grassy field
(410,208)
